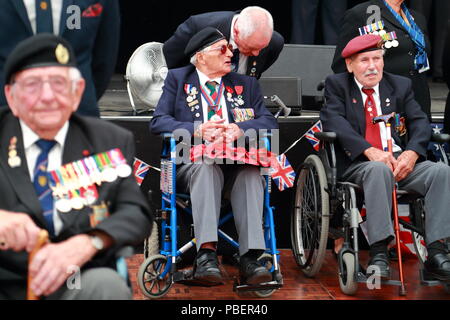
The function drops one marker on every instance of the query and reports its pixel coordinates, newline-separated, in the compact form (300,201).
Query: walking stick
(42,240)
(386,119)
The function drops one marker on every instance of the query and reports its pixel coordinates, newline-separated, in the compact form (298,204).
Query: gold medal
(62,54)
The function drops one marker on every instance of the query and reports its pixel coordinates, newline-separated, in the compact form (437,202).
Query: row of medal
(74,184)
(377,28)
(193,102)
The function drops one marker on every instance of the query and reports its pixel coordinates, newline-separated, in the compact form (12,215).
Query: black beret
(41,50)
(203,39)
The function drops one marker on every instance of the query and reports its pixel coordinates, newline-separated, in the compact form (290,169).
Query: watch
(97,242)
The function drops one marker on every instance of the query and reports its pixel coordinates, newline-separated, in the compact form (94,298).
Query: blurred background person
(92,27)
(305,14)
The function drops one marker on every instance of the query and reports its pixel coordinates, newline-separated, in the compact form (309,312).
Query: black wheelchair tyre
(310,216)
(148,277)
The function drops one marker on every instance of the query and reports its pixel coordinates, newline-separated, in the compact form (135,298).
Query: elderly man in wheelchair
(353,99)
(217,106)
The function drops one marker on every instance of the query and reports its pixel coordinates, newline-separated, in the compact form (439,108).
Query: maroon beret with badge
(364,43)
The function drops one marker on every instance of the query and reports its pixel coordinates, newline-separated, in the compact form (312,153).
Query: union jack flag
(282,173)
(317,127)
(140,170)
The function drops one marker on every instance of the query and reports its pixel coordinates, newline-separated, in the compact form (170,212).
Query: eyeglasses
(34,85)
(223,48)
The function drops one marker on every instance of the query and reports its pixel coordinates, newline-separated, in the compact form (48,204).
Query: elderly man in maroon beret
(353,98)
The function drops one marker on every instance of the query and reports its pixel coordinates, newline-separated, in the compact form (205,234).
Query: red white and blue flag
(282,173)
(140,170)
(317,127)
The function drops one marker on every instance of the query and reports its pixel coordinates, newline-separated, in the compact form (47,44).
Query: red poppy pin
(229,89)
(93,11)
(239,89)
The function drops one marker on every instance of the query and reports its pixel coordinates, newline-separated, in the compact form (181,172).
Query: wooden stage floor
(298,287)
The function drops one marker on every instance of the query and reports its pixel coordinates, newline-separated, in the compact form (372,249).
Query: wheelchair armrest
(440,137)
(325,136)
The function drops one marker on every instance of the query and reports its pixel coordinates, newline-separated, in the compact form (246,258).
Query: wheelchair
(319,196)
(158,272)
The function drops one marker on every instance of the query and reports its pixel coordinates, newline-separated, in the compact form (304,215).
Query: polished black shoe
(381,261)
(253,272)
(438,266)
(206,267)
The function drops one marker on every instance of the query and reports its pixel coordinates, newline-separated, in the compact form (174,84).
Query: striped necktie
(212,110)
(41,183)
(44,21)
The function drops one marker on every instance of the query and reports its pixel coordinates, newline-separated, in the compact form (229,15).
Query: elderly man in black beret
(39,134)
(353,98)
(208,101)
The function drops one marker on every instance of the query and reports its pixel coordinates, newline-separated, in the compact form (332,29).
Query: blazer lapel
(77,144)
(357,104)
(22,11)
(197,108)
(230,104)
(19,177)
(386,98)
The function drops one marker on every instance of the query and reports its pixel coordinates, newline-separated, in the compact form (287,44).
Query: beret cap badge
(62,54)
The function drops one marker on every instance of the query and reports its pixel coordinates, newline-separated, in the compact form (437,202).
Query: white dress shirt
(382,125)
(32,152)
(203,79)
(56,14)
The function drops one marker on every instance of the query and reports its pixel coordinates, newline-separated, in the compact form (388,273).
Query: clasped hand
(401,167)
(219,132)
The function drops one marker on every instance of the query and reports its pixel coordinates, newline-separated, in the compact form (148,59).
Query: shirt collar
(30,137)
(204,78)
(376,88)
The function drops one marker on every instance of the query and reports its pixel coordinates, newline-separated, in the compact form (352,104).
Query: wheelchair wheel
(266,260)
(347,277)
(150,283)
(310,217)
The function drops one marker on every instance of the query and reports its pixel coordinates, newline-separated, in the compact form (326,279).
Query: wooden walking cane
(42,240)
(386,119)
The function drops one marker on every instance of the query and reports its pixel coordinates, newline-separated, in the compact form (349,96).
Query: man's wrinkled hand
(17,231)
(405,164)
(232,133)
(49,267)
(375,154)
(211,130)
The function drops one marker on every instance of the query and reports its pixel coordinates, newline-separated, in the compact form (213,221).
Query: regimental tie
(44,21)
(372,134)
(41,183)
(214,107)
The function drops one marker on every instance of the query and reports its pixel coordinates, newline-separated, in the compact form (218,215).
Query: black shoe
(206,267)
(253,272)
(381,261)
(439,266)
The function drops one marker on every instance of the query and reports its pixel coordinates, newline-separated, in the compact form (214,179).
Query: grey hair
(249,22)
(74,76)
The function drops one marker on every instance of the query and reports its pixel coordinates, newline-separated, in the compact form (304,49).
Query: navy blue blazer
(174,47)
(343,113)
(96,43)
(173,112)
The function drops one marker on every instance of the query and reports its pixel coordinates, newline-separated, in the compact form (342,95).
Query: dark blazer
(174,47)
(96,43)
(343,113)
(173,112)
(130,220)
(399,60)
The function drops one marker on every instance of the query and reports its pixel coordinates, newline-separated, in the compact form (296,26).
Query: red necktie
(372,135)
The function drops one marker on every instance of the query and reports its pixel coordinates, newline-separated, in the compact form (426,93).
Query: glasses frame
(223,48)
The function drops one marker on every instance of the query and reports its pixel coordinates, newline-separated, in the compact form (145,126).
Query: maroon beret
(367,42)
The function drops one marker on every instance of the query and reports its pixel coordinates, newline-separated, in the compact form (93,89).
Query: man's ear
(9,93)
(348,63)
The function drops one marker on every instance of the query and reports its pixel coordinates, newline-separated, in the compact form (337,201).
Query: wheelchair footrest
(237,287)
(428,280)
(186,277)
